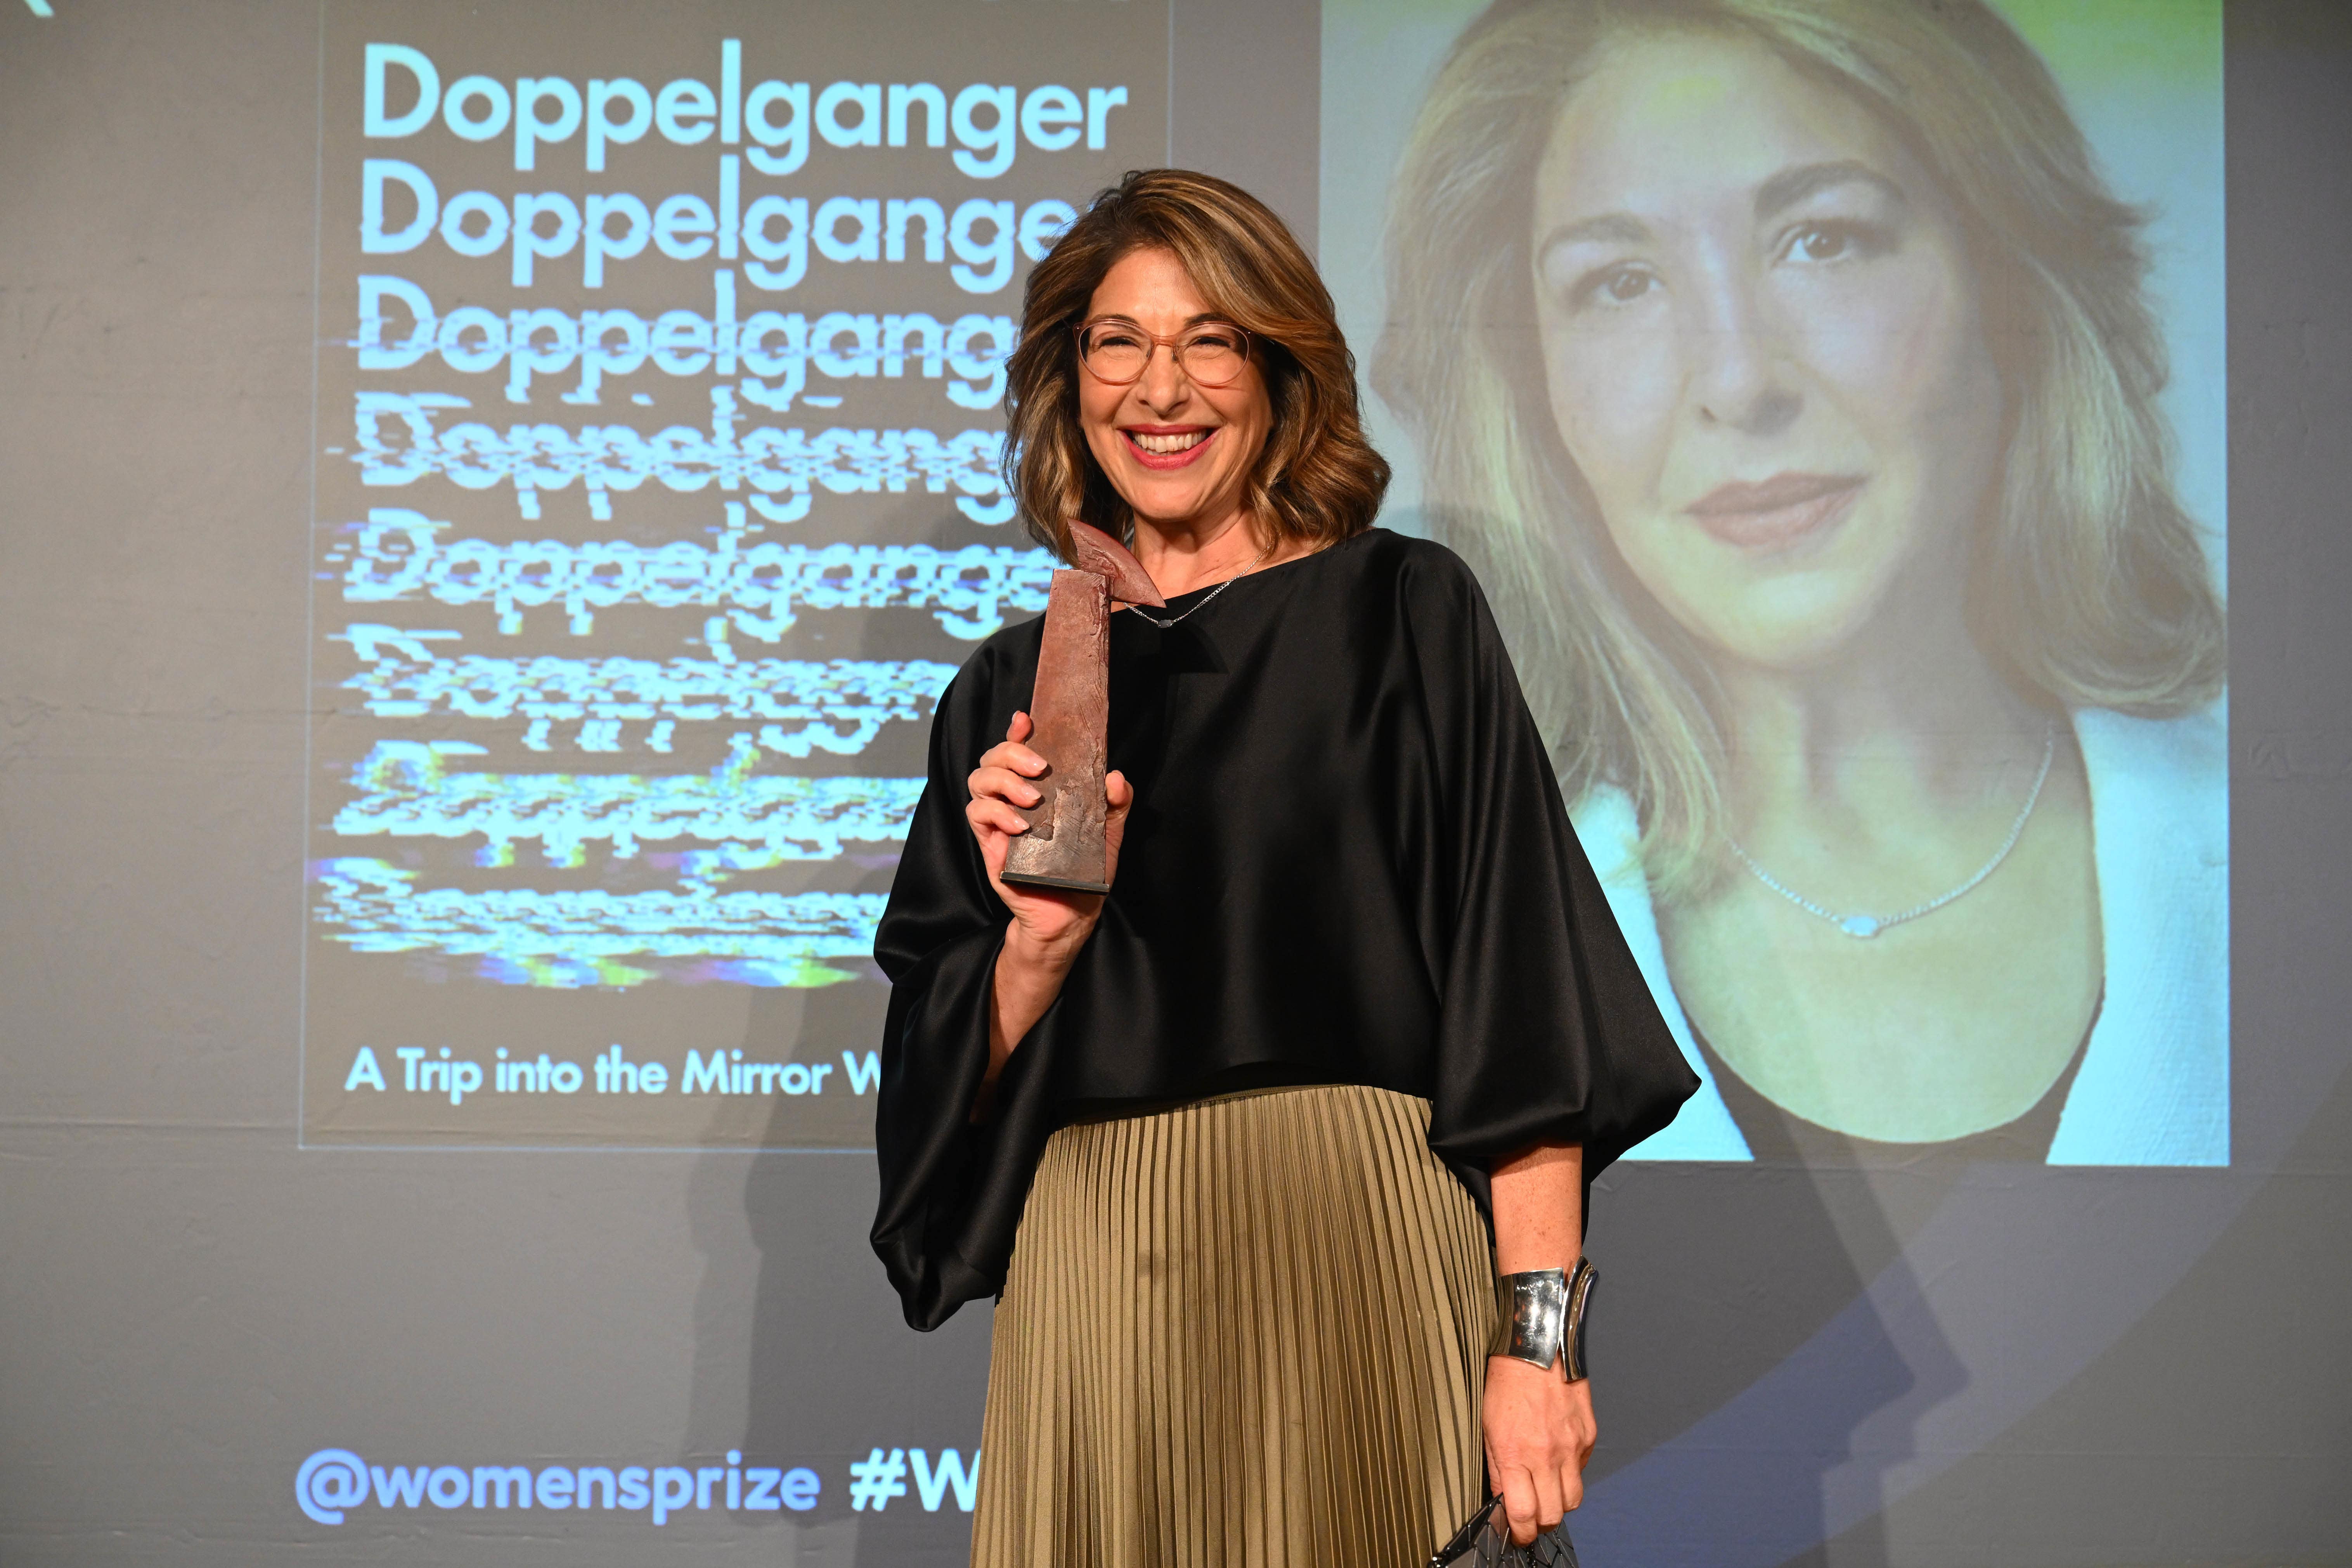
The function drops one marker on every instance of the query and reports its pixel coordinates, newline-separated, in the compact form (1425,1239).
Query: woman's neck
(1900,731)
(1182,555)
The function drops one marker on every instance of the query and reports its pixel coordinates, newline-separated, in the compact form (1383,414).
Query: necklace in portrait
(1865,926)
(1203,605)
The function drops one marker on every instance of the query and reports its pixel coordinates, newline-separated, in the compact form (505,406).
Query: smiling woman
(1231,1142)
(1193,254)
(1783,369)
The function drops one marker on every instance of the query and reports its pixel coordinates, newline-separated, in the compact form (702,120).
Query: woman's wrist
(1539,1317)
(1029,974)
(1045,958)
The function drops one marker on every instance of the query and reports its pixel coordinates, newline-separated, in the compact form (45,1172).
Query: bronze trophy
(1070,711)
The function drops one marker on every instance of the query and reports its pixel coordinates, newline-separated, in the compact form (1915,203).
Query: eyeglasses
(1117,352)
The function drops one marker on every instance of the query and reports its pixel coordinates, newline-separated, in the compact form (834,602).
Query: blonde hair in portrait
(2088,585)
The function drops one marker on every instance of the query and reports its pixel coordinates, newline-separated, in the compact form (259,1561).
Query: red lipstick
(1167,461)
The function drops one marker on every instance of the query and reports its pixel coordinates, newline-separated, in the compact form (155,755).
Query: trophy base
(1067,884)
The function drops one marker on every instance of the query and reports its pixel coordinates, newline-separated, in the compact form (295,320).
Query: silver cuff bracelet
(1539,1317)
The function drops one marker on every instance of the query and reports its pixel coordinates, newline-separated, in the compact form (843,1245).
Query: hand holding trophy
(1071,711)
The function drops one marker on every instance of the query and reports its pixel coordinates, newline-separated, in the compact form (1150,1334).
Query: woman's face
(1763,350)
(1179,453)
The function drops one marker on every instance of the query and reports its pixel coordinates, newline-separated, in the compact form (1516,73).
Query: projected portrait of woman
(1784,371)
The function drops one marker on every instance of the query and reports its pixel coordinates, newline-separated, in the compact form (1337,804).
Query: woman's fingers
(1013,758)
(1001,784)
(1519,1490)
(1010,754)
(1536,1500)
(1549,1505)
(987,816)
(1000,789)
(1539,1432)
(1122,795)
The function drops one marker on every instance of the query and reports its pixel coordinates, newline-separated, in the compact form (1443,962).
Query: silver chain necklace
(1865,926)
(1203,605)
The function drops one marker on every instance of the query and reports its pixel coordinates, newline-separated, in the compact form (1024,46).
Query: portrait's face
(1179,452)
(1763,348)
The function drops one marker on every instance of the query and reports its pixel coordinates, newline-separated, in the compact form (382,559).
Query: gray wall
(189,1304)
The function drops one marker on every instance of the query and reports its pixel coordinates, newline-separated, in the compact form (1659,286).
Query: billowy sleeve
(951,1190)
(1548,1032)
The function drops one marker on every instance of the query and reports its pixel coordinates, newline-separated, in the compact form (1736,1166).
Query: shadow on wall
(802,1354)
(1746,1372)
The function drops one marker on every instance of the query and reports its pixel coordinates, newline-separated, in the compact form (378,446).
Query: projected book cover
(659,498)
(1833,403)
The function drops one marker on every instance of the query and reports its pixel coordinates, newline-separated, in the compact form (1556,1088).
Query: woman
(1784,371)
(1221,1140)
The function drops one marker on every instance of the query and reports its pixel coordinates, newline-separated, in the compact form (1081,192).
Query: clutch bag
(1485,1542)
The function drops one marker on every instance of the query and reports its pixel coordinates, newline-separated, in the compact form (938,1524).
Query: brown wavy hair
(2090,585)
(1319,480)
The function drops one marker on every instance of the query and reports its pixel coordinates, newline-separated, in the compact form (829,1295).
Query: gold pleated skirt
(1246,1332)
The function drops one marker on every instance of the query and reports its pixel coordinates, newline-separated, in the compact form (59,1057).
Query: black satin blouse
(1348,862)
